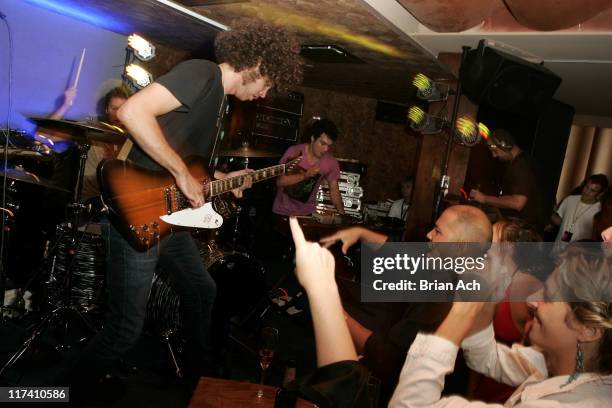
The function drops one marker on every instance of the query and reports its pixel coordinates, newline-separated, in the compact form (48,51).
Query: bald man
(384,351)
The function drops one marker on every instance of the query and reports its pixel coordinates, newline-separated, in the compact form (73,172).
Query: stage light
(423,122)
(467,131)
(137,76)
(483,130)
(143,49)
(429,90)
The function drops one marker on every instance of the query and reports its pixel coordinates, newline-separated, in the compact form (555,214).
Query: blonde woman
(569,364)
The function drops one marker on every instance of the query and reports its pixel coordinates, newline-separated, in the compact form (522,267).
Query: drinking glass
(268,342)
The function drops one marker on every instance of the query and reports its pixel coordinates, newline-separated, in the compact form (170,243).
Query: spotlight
(483,130)
(143,49)
(423,122)
(137,76)
(429,90)
(467,131)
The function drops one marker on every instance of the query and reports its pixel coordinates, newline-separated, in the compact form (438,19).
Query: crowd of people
(537,353)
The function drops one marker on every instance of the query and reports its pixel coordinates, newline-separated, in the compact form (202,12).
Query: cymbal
(83,132)
(31,178)
(18,153)
(248,152)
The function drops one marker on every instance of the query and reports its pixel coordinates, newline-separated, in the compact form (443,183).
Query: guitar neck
(217,187)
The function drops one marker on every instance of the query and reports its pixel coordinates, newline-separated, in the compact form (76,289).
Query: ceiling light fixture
(142,49)
(429,90)
(137,76)
(468,132)
(423,122)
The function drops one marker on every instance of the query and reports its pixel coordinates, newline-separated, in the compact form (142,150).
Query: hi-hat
(82,132)
(246,151)
(20,174)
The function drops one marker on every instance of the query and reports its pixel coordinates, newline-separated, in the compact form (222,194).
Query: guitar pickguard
(203,217)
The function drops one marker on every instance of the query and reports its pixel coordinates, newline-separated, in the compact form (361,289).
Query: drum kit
(74,261)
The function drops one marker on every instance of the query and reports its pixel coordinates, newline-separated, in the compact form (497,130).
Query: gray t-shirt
(190,129)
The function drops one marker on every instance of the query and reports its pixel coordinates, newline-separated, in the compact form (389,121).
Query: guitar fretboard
(217,187)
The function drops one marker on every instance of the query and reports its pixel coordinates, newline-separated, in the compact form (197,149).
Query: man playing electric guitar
(169,120)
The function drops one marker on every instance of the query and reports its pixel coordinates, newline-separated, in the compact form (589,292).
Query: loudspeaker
(292,102)
(507,83)
(391,112)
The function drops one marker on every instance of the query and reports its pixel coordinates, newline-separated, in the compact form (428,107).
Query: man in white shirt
(575,214)
(399,208)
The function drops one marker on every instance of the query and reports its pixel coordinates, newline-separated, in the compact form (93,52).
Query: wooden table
(220,393)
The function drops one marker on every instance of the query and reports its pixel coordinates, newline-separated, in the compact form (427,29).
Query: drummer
(98,150)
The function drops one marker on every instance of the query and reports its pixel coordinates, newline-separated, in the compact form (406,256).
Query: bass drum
(85,256)
(240,286)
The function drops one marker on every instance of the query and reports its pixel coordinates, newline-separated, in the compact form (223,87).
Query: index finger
(296,231)
(330,238)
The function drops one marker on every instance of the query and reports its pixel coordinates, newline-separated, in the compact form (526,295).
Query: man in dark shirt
(521,196)
(168,120)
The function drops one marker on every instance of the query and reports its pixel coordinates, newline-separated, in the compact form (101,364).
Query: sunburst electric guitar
(144,205)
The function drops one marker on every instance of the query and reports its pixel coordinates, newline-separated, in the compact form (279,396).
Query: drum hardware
(20,174)
(240,284)
(68,310)
(83,133)
(163,314)
(247,152)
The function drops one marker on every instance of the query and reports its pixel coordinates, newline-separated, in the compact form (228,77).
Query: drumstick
(78,75)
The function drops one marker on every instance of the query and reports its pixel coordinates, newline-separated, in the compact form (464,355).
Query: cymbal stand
(4,310)
(67,310)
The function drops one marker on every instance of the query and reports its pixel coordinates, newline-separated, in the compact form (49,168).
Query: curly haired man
(168,120)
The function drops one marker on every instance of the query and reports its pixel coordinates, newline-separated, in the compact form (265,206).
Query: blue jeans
(129,276)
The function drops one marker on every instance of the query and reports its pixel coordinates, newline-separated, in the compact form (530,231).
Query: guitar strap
(212,163)
(127,146)
(125,150)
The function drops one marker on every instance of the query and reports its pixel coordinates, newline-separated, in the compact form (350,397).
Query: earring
(579,364)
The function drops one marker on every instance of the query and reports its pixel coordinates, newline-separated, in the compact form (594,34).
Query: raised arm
(432,357)
(336,197)
(315,271)
(69,98)
(350,236)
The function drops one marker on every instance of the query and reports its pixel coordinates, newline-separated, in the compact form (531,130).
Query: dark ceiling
(391,59)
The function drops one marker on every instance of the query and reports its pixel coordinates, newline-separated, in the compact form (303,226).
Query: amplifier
(276,125)
(346,190)
(349,203)
(347,211)
(292,103)
(349,178)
